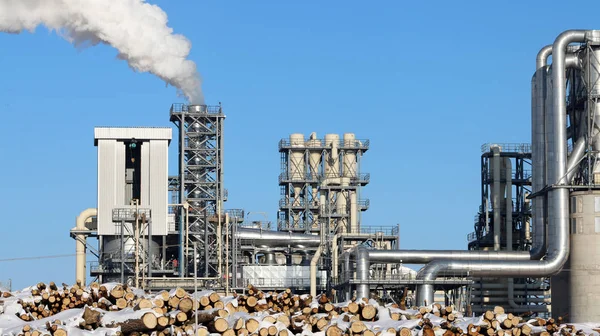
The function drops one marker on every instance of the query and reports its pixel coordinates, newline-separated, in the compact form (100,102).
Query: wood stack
(256,313)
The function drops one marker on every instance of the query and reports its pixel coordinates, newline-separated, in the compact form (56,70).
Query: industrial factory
(534,246)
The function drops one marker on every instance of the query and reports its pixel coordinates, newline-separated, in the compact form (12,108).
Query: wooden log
(185,305)
(368,312)
(218,325)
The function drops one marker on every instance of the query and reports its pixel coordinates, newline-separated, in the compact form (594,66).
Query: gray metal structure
(200,144)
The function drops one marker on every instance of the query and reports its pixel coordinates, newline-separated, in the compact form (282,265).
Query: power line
(39,257)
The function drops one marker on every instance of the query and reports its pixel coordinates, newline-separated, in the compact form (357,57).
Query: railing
(385,230)
(207,109)
(376,277)
(310,177)
(362,144)
(129,214)
(283,224)
(507,147)
(526,174)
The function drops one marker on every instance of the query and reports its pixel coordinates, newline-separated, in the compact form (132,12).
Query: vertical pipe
(195,286)
(182,198)
(80,243)
(206,274)
(313,271)
(509,210)
(150,254)
(122,252)
(227,227)
(362,272)
(164,253)
(496,195)
(353,213)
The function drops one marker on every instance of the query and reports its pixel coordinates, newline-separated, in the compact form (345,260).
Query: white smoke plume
(138,31)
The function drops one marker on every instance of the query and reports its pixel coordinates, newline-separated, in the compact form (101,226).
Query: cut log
(186,305)
(218,325)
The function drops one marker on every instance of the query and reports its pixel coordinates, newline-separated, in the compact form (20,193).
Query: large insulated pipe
(558,215)
(80,243)
(277,238)
(313,271)
(496,195)
(362,272)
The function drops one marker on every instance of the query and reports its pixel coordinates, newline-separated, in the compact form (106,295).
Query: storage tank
(350,155)
(332,159)
(315,152)
(584,268)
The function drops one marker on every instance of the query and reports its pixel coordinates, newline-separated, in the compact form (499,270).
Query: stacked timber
(116,309)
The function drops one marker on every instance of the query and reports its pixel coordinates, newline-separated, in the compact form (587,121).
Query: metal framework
(200,183)
(482,237)
(302,184)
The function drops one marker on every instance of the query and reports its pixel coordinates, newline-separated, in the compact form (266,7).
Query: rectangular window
(597,224)
(597,204)
(573,204)
(573,225)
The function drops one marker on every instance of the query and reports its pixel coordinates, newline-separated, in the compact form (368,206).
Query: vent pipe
(80,237)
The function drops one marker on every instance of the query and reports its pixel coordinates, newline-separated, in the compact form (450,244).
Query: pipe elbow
(83,216)
(430,271)
(542,56)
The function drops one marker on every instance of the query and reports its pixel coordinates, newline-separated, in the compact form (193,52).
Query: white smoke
(138,31)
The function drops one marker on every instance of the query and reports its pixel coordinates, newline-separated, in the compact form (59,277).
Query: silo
(584,292)
(332,159)
(349,155)
(314,148)
(296,168)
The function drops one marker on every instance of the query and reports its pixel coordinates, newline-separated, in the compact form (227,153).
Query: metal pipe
(182,198)
(542,56)
(496,195)
(80,243)
(426,256)
(313,271)
(558,249)
(508,222)
(265,238)
(362,272)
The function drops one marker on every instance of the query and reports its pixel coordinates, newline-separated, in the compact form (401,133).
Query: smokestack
(138,31)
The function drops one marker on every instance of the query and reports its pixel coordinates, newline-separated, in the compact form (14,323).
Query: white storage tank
(332,159)
(349,155)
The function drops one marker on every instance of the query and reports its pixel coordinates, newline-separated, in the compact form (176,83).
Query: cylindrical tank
(584,293)
(350,155)
(296,163)
(332,160)
(315,152)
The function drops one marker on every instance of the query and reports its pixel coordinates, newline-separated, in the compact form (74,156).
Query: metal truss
(200,182)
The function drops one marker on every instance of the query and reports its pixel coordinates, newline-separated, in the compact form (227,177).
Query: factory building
(534,245)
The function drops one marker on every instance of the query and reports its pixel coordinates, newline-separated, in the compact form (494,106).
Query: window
(573,204)
(597,204)
(573,225)
(597,224)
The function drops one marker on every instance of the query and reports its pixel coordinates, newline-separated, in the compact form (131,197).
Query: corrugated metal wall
(159,192)
(111,176)
(106,181)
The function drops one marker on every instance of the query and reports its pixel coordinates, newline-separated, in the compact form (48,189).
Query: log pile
(117,309)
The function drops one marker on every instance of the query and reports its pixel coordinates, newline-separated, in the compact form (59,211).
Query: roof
(125,133)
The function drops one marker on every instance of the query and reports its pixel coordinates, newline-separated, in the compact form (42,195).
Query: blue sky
(427,82)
